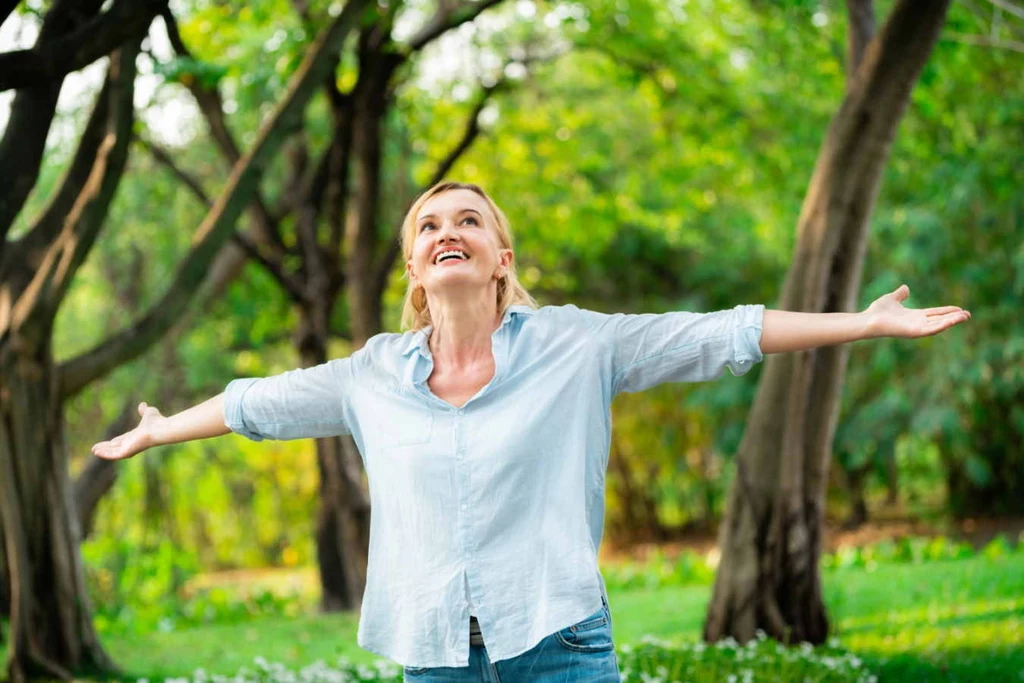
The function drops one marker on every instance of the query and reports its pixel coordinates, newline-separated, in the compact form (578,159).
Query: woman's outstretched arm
(198,422)
(886,317)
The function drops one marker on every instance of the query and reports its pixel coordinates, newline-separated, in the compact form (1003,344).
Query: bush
(136,590)
(915,550)
(658,571)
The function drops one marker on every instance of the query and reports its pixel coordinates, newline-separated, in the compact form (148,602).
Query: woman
(485,434)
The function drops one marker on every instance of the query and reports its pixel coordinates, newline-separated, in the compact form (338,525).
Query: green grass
(957,620)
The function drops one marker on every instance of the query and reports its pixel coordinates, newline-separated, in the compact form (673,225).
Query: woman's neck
(462,330)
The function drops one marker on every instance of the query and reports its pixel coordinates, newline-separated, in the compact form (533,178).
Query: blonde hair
(415,313)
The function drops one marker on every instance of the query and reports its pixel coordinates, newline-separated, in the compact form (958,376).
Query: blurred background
(171,224)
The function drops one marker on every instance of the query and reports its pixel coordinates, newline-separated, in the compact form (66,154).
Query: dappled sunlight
(998,632)
(938,614)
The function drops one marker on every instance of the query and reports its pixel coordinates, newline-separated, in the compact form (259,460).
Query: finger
(142,408)
(942,310)
(941,323)
(901,293)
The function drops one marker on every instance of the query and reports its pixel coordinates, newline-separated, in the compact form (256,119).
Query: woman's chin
(457,279)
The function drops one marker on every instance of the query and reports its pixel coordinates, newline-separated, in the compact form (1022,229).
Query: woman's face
(456,245)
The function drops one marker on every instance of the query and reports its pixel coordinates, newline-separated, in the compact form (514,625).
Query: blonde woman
(485,432)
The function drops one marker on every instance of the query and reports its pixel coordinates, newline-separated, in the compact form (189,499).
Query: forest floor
(893,526)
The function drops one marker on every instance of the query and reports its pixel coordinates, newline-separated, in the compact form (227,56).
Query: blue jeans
(581,652)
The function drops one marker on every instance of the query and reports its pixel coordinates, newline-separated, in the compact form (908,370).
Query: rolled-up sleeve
(306,403)
(651,349)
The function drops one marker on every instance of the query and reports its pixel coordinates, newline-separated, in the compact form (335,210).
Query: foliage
(759,660)
(916,550)
(658,571)
(948,224)
(139,590)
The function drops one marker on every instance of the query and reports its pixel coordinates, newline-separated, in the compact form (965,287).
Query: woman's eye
(470,220)
(427,226)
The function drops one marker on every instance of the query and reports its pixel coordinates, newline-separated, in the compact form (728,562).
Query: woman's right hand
(137,440)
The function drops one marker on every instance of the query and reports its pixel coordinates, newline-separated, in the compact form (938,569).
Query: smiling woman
(463,215)
(485,431)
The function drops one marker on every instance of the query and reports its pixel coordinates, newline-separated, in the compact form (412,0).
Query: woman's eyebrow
(466,210)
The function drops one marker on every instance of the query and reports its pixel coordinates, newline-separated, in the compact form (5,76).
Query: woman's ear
(410,273)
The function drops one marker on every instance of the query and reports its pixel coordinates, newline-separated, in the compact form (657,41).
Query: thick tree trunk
(771,538)
(50,616)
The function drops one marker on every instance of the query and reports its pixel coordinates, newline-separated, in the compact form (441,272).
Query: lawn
(955,620)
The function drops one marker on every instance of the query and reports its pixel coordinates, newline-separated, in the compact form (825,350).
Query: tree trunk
(771,538)
(855,480)
(50,616)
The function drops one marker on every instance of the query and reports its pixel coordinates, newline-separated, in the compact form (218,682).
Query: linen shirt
(500,501)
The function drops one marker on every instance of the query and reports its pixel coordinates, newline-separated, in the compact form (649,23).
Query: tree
(771,537)
(51,632)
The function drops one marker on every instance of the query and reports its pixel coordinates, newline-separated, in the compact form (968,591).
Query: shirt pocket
(400,418)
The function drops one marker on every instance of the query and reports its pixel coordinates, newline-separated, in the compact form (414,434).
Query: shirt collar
(420,338)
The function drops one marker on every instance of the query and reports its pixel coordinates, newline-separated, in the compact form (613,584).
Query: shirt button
(464,506)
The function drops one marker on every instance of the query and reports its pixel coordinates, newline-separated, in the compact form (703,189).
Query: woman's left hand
(889,318)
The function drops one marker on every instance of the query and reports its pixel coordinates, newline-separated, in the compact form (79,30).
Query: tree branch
(24,139)
(244,241)
(445,19)
(983,41)
(211,104)
(161,156)
(275,268)
(99,474)
(31,249)
(125,20)
(76,373)
(1009,7)
(82,224)
(861,15)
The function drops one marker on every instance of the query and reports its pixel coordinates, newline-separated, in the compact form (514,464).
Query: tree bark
(50,616)
(770,540)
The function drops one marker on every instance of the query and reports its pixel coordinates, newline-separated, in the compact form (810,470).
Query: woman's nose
(448,232)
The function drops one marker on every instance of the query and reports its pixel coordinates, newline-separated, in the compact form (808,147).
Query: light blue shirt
(499,503)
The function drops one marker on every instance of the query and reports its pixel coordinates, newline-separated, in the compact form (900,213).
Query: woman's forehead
(452,201)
